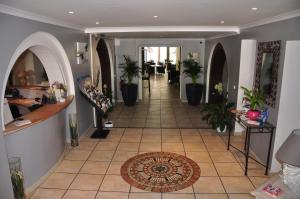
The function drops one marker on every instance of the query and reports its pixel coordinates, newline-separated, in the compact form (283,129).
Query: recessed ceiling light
(254,8)
(222,22)
(155,16)
(71,12)
(97,22)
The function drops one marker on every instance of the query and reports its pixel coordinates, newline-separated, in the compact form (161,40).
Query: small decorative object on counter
(17,178)
(73,129)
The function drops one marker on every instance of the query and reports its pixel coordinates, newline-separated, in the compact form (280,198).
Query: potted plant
(255,99)
(129,90)
(193,90)
(218,114)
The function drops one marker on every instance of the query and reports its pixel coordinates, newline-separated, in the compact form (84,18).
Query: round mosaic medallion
(160,171)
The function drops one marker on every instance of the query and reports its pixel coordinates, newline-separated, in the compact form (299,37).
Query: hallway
(161,109)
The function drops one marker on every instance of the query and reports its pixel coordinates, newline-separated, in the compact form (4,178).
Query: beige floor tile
(237,184)
(114,168)
(86,145)
(208,185)
(58,181)
(101,156)
(185,190)
(222,157)
(144,196)
(171,138)
(213,146)
(150,147)
(128,146)
(199,156)
(78,155)
(137,190)
(188,132)
(92,167)
(229,169)
(113,138)
(112,195)
(171,132)
(258,181)
(211,196)
(114,183)
(208,138)
(78,194)
(121,156)
(151,138)
(151,131)
(41,193)
(106,146)
(172,147)
(133,131)
(177,196)
(192,138)
(194,146)
(207,169)
(240,196)
(131,138)
(69,166)
(87,182)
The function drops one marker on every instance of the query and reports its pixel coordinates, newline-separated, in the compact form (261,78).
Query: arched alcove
(217,72)
(105,64)
(51,54)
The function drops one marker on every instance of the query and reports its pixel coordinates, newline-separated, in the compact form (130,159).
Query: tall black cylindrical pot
(129,94)
(194,93)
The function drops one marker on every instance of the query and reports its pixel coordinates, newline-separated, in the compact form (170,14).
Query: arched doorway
(218,73)
(105,64)
(53,57)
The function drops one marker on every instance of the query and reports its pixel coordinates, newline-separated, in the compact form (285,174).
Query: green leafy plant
(192,68)
(218,115)
(130,69)
(254,97)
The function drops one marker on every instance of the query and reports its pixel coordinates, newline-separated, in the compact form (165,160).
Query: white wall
(246,75)
(289,108)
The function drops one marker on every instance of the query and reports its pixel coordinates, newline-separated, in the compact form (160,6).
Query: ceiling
(128,13)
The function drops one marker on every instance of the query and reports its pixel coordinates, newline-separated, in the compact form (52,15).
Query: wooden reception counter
(39,115)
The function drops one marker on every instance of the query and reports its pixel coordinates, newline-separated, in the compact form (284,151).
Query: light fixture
(155,16)
(71,12)
(97,22)
(254,8)
(222,22)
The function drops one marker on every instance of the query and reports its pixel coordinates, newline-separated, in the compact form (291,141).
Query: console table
(250,129)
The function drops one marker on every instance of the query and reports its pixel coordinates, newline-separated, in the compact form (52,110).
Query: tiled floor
(92,170)
(161,109)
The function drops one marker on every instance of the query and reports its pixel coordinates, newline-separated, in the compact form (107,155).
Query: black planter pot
(194,93)
(129,94)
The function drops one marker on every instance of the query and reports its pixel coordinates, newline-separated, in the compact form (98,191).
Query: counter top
(39,115)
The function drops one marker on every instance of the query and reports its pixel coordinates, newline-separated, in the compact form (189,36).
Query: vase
(17,178)
(219,130)
(73,129)
(253,114)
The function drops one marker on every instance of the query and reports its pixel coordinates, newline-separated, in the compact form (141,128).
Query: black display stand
(100,132)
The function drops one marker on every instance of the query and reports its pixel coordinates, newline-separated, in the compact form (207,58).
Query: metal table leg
(248,134)
(269,152)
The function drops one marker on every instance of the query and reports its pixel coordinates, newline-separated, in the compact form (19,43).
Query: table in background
(266,128)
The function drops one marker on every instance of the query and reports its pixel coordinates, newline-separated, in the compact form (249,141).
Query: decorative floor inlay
(160,171)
